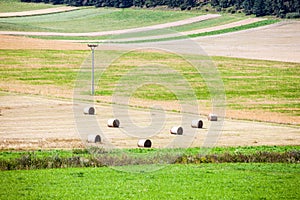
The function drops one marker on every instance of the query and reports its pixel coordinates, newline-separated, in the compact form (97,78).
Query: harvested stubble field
(39,75)
(30,121)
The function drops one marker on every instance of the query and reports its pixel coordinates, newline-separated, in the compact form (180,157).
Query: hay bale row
(176,130)
(89,111)
(115,123)
(197,123)
(144,143)
(212,117)
(94,139)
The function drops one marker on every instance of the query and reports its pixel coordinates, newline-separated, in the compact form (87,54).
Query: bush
(99,157)
(258,157)
(292,15)
(231,10)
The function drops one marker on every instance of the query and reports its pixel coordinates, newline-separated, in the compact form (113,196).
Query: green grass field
(107,19)
(38,67)
(237,180)
(224,19)
(249,84)
(204,181)
(17,6)
(161,32)
(92,19)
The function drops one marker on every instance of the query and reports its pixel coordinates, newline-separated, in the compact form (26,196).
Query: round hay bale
(144,143)
(197,123)
(212,117)
(89,111)
(177,130)
(113,123)
(94,138)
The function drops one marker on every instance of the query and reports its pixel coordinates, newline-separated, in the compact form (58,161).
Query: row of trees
(280,8)
(184,4)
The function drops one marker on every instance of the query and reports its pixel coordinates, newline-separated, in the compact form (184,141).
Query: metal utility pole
(93,46)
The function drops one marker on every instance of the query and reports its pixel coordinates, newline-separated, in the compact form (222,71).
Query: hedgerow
(100,158)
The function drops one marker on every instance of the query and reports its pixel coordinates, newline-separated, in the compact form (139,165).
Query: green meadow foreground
(220,174)
(204,181)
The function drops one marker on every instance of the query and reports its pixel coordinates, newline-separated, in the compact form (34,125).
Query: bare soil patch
(20,42)
(278,42)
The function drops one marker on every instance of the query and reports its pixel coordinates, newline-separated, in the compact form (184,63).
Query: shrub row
(279,8)
(258,157)
(31,161)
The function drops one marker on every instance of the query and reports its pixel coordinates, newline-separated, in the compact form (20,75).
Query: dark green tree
(247,6)
(139,3)
(259,8)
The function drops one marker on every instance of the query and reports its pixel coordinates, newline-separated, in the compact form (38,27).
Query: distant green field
(204,181)
(107,19)
(216,32)
(224,19)
(249,84)
(93,19)
(17,6)
(161,32)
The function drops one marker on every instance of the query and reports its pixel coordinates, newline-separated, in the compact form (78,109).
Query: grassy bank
(99,157)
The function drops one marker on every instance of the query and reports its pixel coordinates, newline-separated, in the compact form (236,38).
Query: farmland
(209,181)
(83,20)
(244,92)
(255,155)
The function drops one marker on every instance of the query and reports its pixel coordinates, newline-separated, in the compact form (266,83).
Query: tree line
(279,8)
